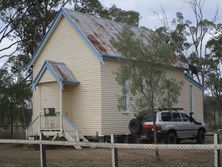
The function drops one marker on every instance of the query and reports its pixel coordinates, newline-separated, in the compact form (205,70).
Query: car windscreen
(166,116)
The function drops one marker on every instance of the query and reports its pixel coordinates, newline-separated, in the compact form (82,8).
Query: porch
(53,88)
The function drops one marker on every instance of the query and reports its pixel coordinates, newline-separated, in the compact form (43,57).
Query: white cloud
(147,8)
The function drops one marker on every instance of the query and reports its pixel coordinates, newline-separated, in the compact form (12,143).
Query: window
(166,116)
(185,117)
(124,97)
(176,117)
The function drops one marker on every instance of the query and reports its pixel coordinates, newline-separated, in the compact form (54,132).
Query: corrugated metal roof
(101,32)
(63,72)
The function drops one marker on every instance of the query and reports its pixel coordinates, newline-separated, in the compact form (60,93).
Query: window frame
(125,93)
(169,115)
(179,115)
(185,116)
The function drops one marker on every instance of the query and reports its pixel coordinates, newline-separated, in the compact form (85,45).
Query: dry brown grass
(24,156)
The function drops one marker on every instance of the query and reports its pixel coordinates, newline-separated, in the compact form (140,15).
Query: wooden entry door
(49,98)
(49,95)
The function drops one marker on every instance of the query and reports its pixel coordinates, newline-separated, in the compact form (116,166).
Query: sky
(147,8)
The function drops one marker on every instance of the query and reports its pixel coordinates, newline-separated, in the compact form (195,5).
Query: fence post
(115,162)
(42,152)
(216,151)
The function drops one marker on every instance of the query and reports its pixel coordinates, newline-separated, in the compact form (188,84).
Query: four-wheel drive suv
(172,125)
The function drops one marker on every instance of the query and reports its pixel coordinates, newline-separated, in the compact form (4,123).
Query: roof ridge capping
(106,19)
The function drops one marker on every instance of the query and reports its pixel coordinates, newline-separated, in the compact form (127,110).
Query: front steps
(65,128)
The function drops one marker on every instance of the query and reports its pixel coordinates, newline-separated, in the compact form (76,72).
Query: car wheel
(200,137)
(135,126)
(171,138)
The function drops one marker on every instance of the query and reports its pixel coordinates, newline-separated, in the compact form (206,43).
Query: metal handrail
(70,122)
(31,125)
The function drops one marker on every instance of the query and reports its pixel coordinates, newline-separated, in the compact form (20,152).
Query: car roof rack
(169,109)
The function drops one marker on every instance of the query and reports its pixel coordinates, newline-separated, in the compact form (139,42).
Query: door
(49,95)
(177,121)
(49,98)
(189,126)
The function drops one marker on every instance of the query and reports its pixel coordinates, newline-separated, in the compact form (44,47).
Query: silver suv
(172,126)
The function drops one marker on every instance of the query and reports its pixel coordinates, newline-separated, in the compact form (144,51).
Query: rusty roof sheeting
(101,32)
(63,72)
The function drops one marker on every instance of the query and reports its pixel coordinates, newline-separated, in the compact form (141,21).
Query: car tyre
(135,126)
(171,138)
(200,137)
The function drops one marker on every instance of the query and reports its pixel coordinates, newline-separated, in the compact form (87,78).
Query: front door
(49,95)
(49,98)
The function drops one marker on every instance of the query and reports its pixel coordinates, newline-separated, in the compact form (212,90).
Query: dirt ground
(27,156)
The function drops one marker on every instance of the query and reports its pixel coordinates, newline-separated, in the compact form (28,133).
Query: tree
(112,13)
(214,77)
(189,38)
(119,15)
(25,22)
(144,71)
(15,97)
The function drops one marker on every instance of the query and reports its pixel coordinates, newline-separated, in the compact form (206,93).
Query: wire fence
(23,153)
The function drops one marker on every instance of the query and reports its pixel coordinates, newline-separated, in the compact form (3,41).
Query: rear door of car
(177,121)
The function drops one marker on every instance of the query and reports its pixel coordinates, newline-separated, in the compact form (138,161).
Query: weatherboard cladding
(67,45)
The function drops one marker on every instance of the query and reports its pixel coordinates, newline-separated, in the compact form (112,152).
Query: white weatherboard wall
(67,46)
(178,74)
(47,77)
(184,99)
(197,100)
(114,121)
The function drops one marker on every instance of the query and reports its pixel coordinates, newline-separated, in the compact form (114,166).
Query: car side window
(166,116)
(185,117)
(176,117)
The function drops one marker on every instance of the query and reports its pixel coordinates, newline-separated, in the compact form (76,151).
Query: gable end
(52,28)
